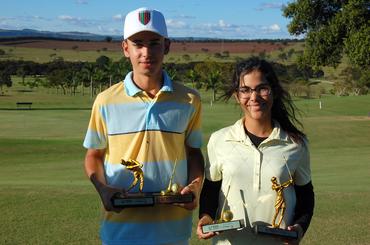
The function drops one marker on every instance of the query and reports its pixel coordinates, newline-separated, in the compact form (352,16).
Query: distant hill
(30,33)
(54,35)
(85,36)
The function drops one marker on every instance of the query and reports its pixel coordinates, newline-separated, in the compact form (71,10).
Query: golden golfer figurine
(136,168)
(280,207)
(279,202)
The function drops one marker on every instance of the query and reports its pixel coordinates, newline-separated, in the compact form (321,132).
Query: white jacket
(248,170)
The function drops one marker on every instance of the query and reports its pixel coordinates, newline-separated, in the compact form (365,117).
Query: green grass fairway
(45,197)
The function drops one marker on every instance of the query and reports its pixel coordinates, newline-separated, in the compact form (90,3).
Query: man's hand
(194,188)
(106,194)
(205,220)
(195,177)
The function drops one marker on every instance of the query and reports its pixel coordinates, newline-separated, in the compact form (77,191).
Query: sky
(224,19)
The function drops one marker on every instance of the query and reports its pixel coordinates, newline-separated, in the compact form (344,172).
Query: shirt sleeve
(302,174)
(304,206)
(208,203)
(96,135)
(212,169)
(193,131)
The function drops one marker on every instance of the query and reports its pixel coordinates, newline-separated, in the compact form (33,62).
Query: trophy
(280,207)
(225,221)
(168,196)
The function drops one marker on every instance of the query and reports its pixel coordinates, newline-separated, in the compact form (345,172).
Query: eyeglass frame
(248,94)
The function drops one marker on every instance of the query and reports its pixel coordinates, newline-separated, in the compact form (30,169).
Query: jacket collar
(237,133)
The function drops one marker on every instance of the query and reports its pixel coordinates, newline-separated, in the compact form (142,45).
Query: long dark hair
(283,109)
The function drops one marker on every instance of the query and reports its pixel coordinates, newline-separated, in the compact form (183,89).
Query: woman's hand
(205,220)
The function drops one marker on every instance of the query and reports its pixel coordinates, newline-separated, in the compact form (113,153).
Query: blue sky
(185,18)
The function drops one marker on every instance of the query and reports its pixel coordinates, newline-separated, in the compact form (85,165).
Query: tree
(62,78)
(332,29)
(33,83)
(5,79)
(87,74)
(193,77)
(355,80)
(210,76)
(100,77)
(21,72)
(102,61)
(171,71)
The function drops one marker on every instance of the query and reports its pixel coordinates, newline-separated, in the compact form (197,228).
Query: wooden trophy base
(149,199)
(268,230)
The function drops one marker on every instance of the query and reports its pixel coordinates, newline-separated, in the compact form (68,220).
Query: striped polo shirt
(130,125)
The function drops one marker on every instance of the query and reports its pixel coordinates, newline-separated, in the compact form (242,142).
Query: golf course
(45,197)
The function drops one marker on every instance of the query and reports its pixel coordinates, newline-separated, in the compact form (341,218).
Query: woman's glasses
(245,92)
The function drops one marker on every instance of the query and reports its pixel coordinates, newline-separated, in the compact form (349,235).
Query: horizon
(93,36)
(207,19)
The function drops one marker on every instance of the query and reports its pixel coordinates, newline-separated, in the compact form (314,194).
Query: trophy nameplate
(223,226)
(160,198)
(133,200)
(267,230)
(168,196)
(225,222)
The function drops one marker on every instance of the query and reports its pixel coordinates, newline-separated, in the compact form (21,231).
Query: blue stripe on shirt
(164,116)
(94,140)
(155,233)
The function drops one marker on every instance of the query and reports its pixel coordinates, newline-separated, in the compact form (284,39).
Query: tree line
(92,77)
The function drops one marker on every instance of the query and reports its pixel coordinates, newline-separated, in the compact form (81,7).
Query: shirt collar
(131,89)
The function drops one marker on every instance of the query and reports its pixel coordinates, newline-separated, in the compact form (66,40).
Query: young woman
(244,158)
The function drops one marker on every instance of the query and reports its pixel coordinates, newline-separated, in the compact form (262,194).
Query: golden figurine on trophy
(280,207)
(225,222)
(136,168)
(134,199)
(279,202)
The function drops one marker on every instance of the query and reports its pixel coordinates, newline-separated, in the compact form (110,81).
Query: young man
(154,121)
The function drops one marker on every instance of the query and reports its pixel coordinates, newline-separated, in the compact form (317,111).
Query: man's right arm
(94,169)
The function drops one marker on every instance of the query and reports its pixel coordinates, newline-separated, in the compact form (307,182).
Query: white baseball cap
(144,19)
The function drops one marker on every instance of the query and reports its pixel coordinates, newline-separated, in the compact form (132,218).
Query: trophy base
(267,230)
(149,199)
(223,226)
(133,200)
(172,198)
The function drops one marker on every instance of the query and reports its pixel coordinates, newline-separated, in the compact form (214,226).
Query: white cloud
(183,16)
(80,22)
(274,27)
(82,2)
(117,17)
(265,6)
(222,23)
(175,23)
(68,18)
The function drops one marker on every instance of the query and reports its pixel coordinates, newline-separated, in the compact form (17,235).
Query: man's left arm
(195,176)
